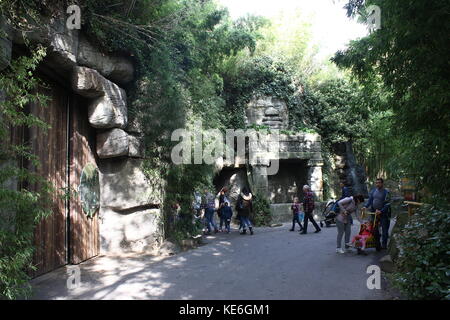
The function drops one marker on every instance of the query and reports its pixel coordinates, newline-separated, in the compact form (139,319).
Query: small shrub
(261,211)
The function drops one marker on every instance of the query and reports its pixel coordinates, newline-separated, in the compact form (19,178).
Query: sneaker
(317,231)
(303,232)
(339,250)
(291,229)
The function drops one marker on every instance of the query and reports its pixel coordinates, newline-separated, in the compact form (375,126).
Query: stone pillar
(259,181)
(315,178)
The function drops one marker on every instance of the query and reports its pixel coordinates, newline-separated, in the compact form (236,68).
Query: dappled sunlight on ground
(267,265)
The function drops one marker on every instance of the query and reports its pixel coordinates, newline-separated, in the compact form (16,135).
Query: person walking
(296,212)
(347,206)
(379,202)
(308,207)
(244,207)
(209,203)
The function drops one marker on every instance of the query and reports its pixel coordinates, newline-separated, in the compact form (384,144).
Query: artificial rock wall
(129,204)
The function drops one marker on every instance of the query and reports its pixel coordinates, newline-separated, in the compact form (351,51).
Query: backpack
(245,204)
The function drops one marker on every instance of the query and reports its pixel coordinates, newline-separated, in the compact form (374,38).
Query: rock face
(112,143)
(108,109)
(88,82)
(129,202)
(235,180)
(268,111)
(68,48)
(136,146)
(135,232)
(348,170)
(124,185)
(117,69)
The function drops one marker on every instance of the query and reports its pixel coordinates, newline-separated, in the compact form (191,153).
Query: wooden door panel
(51,149)
(84,231)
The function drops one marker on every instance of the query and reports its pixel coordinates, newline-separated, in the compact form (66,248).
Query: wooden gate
(67,235)
(84,232)
(50,146)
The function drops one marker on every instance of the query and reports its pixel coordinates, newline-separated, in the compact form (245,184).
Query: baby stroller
(329,214)
(368,236)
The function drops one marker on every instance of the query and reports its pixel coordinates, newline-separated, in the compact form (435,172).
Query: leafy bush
(423,265)
(261,211)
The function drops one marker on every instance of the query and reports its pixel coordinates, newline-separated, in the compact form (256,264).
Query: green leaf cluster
(423,265)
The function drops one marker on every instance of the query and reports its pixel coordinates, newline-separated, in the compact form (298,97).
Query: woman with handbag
(244,208)
(347,206)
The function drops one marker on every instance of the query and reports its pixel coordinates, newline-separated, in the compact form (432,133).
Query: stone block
(88,82)
(124,185)
(112,143)
(133,232)
(136,146)
(110,110)
(386,264)
(117,69)
(281,212)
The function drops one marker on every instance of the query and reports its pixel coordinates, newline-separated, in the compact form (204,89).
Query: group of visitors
(207,205)
(347,205)
(379,206)
(304,211)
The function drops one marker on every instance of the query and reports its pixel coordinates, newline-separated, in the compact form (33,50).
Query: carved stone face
(268,111)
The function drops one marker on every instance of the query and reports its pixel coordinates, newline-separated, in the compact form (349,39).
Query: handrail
(412,206)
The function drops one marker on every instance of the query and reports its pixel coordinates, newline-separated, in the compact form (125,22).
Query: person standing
(222,199)
(347,206)
(308,207)
(345,192)
(210,204)
(296,211)
(379,202)
(227,213)
(244,207)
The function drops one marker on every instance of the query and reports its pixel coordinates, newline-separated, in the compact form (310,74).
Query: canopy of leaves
(409,55)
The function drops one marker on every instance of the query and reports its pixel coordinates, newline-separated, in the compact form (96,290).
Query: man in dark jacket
(308,207)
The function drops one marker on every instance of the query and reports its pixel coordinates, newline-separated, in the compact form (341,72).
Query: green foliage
(20,209)
(409,57)
(423,265)
(336,108)
(260,75)
(261,211)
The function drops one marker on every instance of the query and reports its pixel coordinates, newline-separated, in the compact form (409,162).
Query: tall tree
(410,55)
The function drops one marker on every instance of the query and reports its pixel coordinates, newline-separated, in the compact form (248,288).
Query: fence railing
(412,206)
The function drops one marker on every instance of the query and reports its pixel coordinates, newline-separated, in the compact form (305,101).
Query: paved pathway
(272,264)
